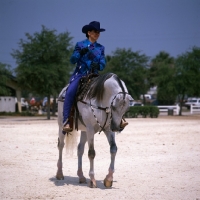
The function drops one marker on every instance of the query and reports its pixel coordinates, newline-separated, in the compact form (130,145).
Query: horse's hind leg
(113,150)
(80,152)
(59,174)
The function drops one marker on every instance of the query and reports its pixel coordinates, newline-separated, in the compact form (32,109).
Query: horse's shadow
(70,180)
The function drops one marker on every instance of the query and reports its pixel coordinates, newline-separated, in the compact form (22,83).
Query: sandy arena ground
(157,159)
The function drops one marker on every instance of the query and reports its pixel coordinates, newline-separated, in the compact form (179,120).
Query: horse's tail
(71,138)
(71,142)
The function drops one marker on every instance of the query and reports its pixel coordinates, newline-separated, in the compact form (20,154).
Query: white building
(7,104)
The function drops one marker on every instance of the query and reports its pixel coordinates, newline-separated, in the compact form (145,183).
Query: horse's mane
(97,87)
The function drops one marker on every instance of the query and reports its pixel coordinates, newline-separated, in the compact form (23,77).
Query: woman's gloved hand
(84,51)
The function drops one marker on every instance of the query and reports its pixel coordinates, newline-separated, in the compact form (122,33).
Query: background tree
(161,74)
(5,75)
(43,62)
(131,67)
(187,75)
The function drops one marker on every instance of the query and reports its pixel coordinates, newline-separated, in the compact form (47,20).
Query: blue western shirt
(95,54)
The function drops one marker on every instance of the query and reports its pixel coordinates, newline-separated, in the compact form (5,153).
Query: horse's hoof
(92,185)
(82,180)
(60,176)
(107,183)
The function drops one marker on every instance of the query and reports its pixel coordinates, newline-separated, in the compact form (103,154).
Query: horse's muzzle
(115,127)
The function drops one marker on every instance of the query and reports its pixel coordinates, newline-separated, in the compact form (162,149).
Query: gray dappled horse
(102,109)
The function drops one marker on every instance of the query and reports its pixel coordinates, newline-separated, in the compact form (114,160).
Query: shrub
(144,111)
(16,114)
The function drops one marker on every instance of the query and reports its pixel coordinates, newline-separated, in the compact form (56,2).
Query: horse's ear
(130,98)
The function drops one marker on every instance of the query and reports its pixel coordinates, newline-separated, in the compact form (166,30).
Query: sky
(148,26)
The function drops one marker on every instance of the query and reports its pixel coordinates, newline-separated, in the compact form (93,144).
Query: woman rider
(88,55)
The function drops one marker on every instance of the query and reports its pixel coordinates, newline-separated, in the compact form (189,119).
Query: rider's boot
(66,127)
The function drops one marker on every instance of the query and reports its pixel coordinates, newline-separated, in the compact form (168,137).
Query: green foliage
(131,67)
(154,111)
(161,74)
(16,114)
(176,78)
(43,62)
(188,73)
(5,75)
(144,111)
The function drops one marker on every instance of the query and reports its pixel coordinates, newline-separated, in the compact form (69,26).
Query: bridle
(106,109)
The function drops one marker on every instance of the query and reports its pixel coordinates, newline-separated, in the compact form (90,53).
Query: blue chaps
(70,96)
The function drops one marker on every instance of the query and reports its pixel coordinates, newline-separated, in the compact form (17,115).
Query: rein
(106,109)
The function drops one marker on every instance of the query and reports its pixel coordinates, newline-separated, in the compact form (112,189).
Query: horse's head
(108,90)
(120,106)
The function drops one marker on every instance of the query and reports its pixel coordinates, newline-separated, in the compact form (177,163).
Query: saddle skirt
(83,87)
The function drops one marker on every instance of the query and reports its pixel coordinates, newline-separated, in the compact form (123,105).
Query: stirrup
(123,124)
(67,128)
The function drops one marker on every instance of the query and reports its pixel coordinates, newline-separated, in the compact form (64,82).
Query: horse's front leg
(91,156)
(113,151)
(61,138)
(80,152)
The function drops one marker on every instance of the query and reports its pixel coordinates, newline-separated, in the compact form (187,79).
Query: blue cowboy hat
(92,26)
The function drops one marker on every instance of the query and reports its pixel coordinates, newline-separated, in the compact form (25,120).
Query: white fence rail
(175,108)
(194,109)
